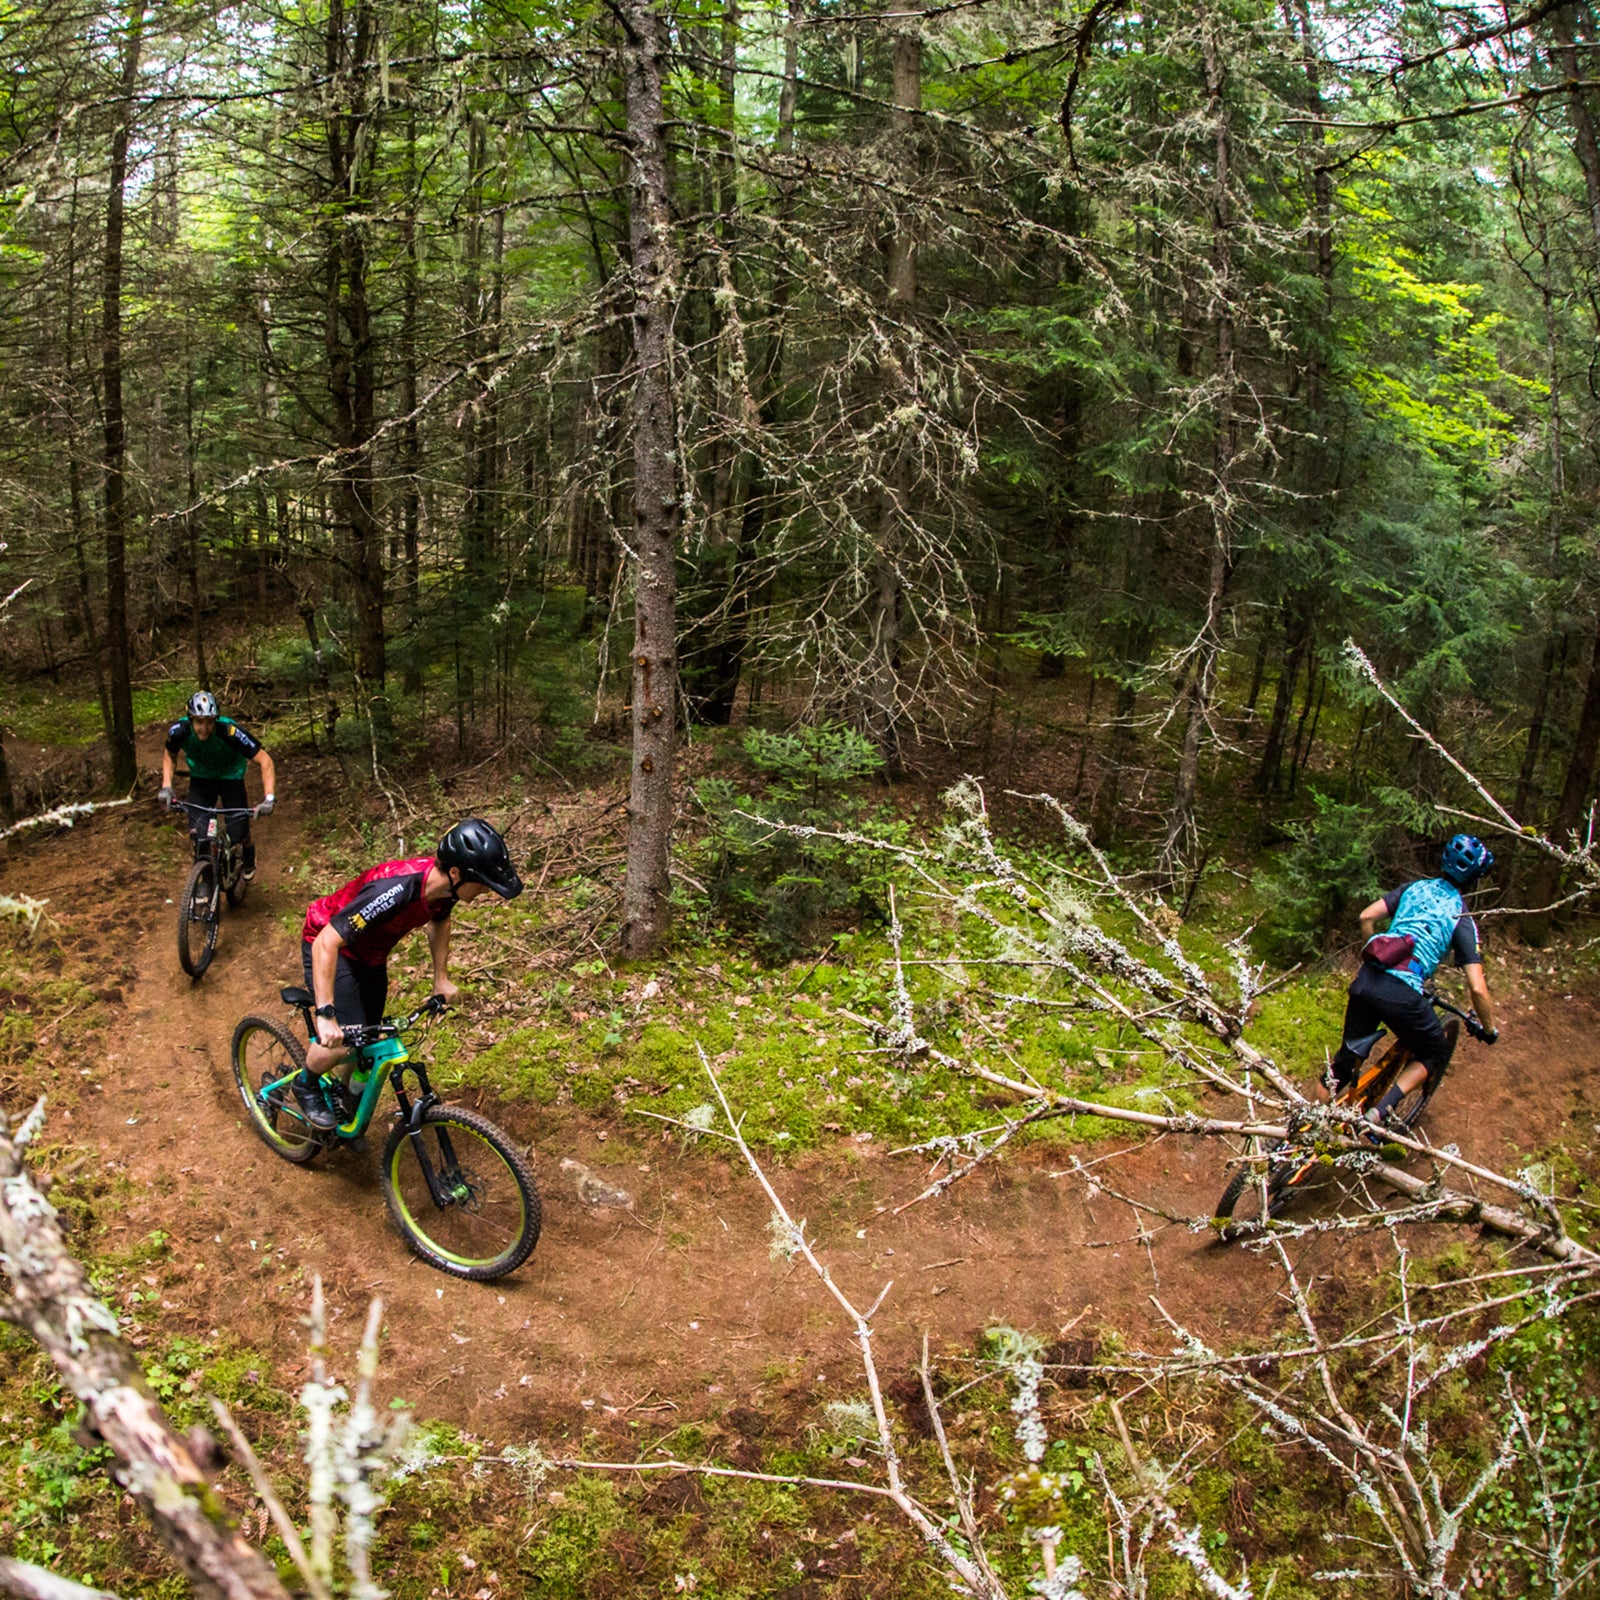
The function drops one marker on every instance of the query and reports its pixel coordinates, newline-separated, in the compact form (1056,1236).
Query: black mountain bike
(218,871)
(1254,1195)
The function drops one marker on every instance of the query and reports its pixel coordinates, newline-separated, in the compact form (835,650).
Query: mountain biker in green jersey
(348,935)
(1428,921)
(218,752)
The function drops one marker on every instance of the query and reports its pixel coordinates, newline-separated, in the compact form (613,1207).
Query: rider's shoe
(1379,1121)
(313,1107)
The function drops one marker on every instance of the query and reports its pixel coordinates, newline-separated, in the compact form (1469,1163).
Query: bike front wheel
(264,1053)
(1252,1198)
(480,1216)
(197,919)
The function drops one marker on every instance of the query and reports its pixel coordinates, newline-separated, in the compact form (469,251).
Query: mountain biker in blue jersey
(1428,921)
(217,752)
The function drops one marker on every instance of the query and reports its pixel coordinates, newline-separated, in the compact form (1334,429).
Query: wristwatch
(329,1012)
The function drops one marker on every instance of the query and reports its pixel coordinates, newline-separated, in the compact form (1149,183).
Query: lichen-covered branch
(51,1300)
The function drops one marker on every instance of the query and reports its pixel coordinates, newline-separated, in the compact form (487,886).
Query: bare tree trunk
(900,271)
(727,665)
(1208,642)
(1570,809)
(347,325)
(191,532)
(1296,644)
(1573,807)
(8,805)
(646,905)
(123,760)
(410,435)
(1528,774)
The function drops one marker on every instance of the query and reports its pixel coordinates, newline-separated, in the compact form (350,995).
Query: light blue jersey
(1433,915)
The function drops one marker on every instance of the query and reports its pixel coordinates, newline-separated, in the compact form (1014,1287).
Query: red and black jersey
(374,912)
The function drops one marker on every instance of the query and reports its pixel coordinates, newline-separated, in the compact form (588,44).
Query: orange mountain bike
(1256,1194)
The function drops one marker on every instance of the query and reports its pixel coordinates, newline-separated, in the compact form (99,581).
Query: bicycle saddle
(296,997)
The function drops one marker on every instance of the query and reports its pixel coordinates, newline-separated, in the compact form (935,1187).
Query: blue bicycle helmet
(1465,860)
(202,704)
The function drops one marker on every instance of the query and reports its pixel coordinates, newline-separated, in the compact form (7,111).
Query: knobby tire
(197,919)
(237,886)
(1247,1182)
(262,1052)
(493,1228)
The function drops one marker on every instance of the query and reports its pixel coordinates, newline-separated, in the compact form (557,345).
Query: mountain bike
(218,871)
(456,1187)
(1253,1197)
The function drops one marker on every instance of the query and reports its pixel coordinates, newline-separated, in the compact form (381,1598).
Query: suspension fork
(412,1113)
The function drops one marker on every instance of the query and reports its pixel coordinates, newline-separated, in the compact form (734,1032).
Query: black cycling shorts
(229,794)
(1378,999)
(359,991)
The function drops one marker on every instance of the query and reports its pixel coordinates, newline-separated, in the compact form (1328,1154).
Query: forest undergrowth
(1067,1435)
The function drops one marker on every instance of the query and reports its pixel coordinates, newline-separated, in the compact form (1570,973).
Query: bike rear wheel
(263,1053)
(490,1220)
(236,884)
(197,918)
(1407,1112)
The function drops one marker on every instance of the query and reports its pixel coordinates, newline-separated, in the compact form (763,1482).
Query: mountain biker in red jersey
(348,935)
(1428,920)
(218,753)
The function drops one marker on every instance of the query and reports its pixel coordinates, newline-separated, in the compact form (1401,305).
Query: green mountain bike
(456,1187)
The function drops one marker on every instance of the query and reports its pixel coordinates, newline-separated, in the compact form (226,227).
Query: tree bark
(8,805)
(120,689)
(1528,773)
(1572,808)
(1208,643)
(410,434)
(25,1581)
(900,273)
(646,904)
(347,320)
(1296,644)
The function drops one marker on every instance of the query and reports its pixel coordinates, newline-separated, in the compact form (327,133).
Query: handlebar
(1439,1003)
(391,1027)
(175,804)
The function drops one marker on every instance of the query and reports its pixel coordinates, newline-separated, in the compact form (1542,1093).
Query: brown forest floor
(678,1305)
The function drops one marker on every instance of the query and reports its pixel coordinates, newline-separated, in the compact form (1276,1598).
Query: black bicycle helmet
(202,704)
(481,853)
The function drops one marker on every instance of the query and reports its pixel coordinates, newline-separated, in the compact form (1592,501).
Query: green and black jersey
(224,755)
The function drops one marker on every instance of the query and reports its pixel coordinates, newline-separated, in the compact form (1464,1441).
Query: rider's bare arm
(269,774)
(439,949)
(1481,1003)
(324,968)
(1377,912)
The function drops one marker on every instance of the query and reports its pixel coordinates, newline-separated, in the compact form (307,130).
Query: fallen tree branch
(28,1582)
(65,816)
(52,1301)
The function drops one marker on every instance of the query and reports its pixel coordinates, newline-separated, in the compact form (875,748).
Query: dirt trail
(679,1304)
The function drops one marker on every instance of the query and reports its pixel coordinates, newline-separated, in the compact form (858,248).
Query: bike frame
(226,856)
(388,1058)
